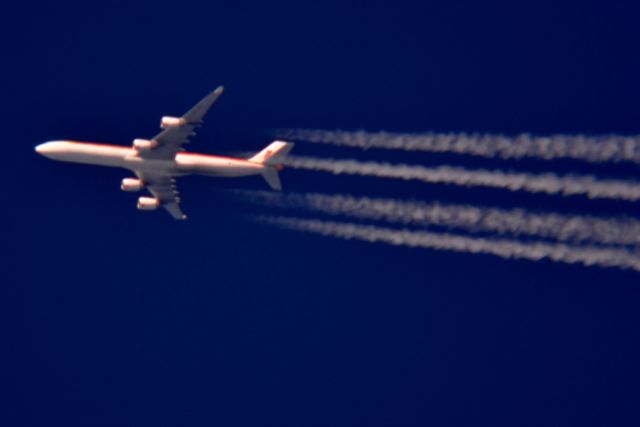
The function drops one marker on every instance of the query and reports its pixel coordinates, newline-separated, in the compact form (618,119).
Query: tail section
(274,154)
(272,158)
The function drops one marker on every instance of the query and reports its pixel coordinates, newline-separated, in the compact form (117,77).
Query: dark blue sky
(117,317)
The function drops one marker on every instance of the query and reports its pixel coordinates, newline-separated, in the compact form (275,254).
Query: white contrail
(549,183)
(516,222)
(595,149)
(450,242)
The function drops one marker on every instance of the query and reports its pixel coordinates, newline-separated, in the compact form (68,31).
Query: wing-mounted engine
(131,184)
(144,144)
(172,122)
(148,203)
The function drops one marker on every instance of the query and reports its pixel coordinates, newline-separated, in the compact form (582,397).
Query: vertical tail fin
(274,154)
(272,158)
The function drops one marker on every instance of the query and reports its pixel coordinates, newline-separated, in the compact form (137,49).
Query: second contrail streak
(548,183)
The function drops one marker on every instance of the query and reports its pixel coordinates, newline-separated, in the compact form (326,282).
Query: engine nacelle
(131,184)
(144,144)
(171,122)
(148,203)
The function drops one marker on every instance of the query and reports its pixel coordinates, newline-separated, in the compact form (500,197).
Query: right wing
(163,188)
(170,140)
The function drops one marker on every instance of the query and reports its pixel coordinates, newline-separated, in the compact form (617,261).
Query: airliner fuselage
(128,158)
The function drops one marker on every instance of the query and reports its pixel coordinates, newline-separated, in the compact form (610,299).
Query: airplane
(157,162)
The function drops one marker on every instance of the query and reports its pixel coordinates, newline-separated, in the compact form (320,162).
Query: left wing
(163,188)
(170,140)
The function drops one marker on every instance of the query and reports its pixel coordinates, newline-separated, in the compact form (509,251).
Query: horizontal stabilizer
(273,179)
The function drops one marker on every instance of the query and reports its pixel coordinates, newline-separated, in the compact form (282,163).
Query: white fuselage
(128,158)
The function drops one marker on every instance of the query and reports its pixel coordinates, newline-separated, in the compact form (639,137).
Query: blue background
(117,317)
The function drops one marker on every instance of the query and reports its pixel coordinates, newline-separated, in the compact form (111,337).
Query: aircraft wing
(163,187)
(171,139)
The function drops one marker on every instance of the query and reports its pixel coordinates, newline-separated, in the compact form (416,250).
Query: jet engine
(148,203)
(131,184)
(144,144)
(171,122)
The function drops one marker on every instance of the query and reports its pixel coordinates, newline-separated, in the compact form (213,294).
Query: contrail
(516,222)
(593,149)
(507,249)
(549,183)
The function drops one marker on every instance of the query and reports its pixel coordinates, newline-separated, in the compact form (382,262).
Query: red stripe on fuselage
(96,144)
(182,153)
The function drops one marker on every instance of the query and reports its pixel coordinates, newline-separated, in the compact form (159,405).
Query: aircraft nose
(41,149)
(50,148)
